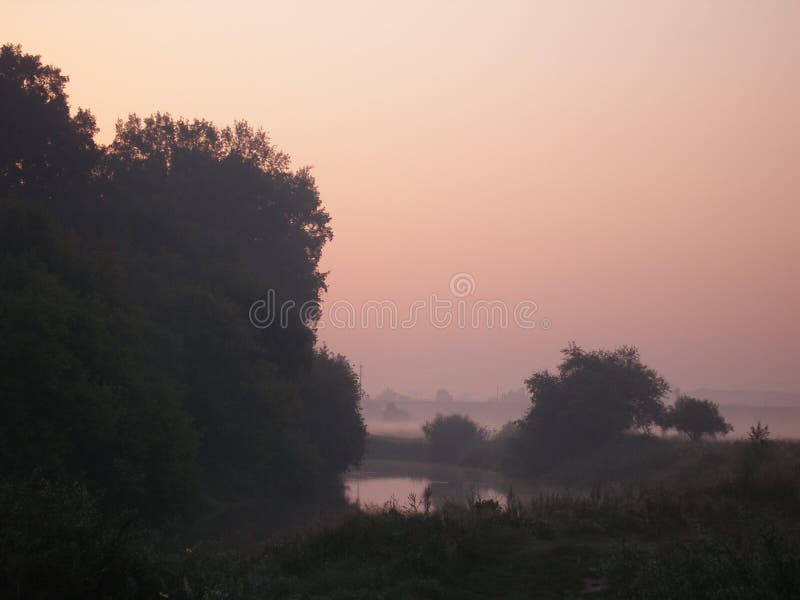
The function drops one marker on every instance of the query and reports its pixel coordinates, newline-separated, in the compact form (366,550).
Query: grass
(732,538)
(732,535)
(485,454)
(396,448)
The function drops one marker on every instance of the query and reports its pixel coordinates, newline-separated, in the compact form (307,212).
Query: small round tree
(452,437)
(697,417)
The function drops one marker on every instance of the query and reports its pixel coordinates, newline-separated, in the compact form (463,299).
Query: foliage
(135,394)
(698,541)
(129,363)
(761,560)
(451,438)
(759,434)
(396,448)
(696,417)
(595,397)
(85,392)
(330,395)
(44,149)
(59,542)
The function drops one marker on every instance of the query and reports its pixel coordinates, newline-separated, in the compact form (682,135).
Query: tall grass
(723,524)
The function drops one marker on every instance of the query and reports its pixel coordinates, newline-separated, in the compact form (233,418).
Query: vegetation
(143,409)
(481,448)
(396,448)
(129,364)
(595,397)
(718,534)
(696,417)
(452,438)
(598,404)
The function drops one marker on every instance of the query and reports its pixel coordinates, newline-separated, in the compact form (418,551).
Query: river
(378,483)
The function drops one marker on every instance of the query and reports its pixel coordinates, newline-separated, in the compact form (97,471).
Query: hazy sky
(632,167)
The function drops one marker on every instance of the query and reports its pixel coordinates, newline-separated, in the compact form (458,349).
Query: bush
(57,542)
(453,437)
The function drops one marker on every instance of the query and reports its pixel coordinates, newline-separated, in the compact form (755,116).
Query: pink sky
(631,166)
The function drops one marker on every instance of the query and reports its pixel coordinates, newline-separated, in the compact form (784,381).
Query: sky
(631,168)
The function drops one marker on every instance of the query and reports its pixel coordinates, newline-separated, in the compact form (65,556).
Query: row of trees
(127,360)
(597,396)
(594,398)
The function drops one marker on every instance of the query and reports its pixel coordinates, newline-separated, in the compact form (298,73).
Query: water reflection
(379,482)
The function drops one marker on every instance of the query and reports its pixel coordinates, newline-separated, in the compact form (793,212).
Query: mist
(394,414)
(629,168)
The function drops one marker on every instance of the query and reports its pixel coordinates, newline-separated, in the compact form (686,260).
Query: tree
(213,219)
(88,389)
(595,396)
(759,434)
(129,362)
(332,409)
(452,437)
(43,149)
(697,417)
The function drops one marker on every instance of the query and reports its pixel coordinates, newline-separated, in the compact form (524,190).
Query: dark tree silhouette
(88,390)
(43,149)
(129,363)
(330,394)
(697,417)
(452,437)
(595,396)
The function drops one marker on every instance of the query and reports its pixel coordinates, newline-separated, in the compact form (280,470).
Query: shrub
(453,437)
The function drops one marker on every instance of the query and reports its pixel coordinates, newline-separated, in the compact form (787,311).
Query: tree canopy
(452,437)
(44,148)
(594,397)
(697,417)
(129,361)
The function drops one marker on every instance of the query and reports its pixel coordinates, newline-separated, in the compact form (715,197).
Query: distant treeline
(127,360)
(598,404)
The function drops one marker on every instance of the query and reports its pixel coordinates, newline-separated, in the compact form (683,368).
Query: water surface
(382,482)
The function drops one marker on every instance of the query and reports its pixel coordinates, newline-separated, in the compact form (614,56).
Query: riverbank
(379,483)
(627,460)
(724,522)
(489,454)
(731,539)
(735,534)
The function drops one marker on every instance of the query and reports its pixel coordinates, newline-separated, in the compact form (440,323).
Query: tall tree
(128,358)
(43,149)
(594,397)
